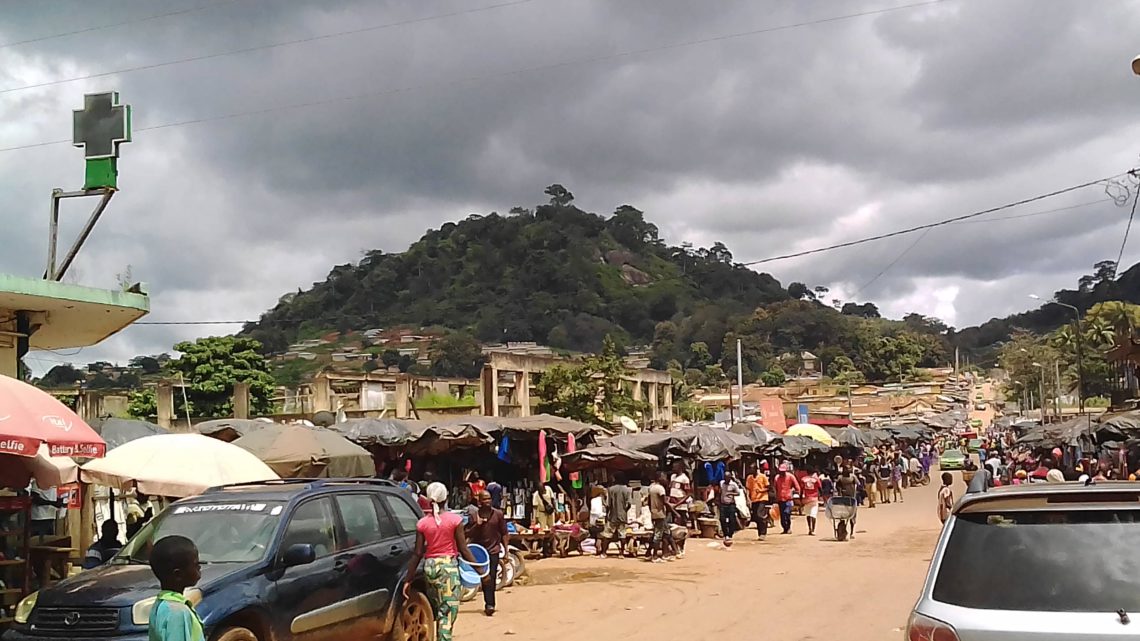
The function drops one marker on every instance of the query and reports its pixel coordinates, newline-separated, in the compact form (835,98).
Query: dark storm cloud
(771,142)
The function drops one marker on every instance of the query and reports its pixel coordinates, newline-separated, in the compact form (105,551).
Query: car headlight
(25,607)
(140,612)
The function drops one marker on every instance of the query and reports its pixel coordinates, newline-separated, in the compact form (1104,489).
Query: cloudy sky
(770,125)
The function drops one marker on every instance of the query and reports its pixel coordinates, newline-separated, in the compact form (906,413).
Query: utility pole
(731,405)
(740,377)
(956,369)
(1057,386)
(1041,399)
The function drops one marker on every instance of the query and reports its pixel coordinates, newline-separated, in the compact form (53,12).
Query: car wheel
(416,620)
(235,634)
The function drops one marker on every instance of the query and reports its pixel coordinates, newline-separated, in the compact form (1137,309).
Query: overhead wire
(1128,228)
(940,223)
(891,264)
(209,5)
(494,75)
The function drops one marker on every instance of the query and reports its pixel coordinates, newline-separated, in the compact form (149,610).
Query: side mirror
(298,554)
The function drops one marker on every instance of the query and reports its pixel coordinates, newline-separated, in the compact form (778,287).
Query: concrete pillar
(241,400)
(490,387)
(403,393)
(522,392)
(637,391)
(322,393)
(667,406)
(654,409)
(164,403)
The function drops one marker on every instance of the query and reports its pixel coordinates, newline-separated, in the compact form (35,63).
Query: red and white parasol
(30,417)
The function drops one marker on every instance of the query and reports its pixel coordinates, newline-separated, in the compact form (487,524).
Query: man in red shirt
(786,487)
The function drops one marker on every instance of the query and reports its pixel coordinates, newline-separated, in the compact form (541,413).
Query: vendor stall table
(537,544)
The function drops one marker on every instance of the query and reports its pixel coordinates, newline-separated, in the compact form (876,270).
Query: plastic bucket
(471,574)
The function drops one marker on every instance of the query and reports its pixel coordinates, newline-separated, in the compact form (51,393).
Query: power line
(1034,214)
(494,75)
(948,221)
(1127,229)
(117,24)
(890,264)
(274,45)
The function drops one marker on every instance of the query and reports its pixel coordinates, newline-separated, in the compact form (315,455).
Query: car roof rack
(311,484)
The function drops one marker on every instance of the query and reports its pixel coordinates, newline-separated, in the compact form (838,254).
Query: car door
(305,599)
(373,555)
(401,523)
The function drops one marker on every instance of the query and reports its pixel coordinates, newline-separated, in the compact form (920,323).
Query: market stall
(297,451)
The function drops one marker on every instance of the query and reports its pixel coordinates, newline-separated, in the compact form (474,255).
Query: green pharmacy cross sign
(99,127)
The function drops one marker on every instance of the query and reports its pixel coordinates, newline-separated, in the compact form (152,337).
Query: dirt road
(787,588)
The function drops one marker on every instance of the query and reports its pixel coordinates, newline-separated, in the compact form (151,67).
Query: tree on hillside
(62,376)
(456,355)
(390,357)
(559,195)
(148,364)
(211,366)
(592,392)
(799,291)
(866,310)
(774,377)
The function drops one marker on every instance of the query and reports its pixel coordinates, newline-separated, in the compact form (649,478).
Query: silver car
(1041,561)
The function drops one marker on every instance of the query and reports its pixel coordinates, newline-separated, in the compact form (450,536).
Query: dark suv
(281,560)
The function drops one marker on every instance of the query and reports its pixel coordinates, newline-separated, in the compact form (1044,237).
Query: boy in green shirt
(174,560)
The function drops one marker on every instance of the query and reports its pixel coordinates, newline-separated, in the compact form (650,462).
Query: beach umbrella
(47,470)
(296,451)
(813,432)
(120,431)
(30,417)
(175,465)
(230,429)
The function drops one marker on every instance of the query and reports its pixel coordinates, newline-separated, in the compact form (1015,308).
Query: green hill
(555,274)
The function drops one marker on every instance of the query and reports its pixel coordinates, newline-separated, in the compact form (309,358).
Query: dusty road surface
(785,588)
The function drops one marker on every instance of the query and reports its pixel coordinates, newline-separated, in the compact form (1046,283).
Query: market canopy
(608,457)
(230,429)
(30,417)
(1074,431)
(547,422)
(946,420)
(175,465)
(793,446)
(853,437)
(297,451)
(702,442)
(381,432)
(120,431)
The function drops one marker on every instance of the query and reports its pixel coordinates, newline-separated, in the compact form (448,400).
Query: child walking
(174,561)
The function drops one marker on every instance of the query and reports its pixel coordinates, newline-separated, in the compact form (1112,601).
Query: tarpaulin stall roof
(852,437)
(607,457)
(379,432)
(297,451)
(230,429)
(120,431)
(702,442)
(795,446)
(1069,433)
(946,420)
(433,438)
(547,422)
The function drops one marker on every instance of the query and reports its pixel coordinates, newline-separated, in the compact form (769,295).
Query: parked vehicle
(974,445)
(1040,561)
(951,460)
(281,560)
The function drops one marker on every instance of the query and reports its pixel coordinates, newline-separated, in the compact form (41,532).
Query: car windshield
(1042,561)
(223,532)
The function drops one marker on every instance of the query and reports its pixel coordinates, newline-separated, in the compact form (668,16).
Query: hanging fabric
(505,449)
(575,477)
(543,473)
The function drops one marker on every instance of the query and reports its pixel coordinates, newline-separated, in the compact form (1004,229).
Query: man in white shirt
(45,509)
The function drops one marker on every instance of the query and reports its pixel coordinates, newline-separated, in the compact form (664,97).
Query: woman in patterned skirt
(439,542)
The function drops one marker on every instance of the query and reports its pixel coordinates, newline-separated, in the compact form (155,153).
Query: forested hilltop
(564,277)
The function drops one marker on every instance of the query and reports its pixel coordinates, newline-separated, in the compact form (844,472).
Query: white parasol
(175,465)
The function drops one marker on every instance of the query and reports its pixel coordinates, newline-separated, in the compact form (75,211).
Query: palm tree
(1100,332)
